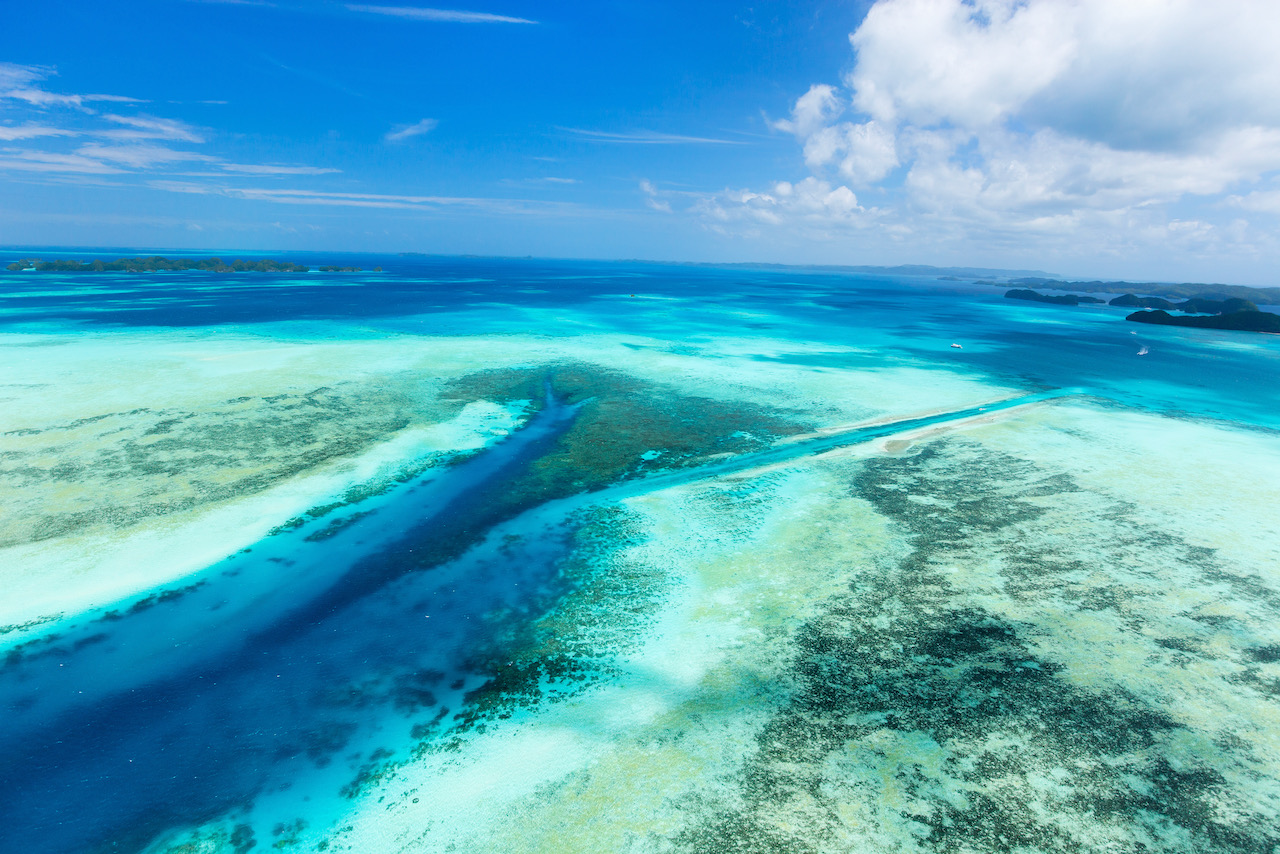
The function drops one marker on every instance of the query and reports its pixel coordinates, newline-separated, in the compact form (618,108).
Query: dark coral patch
(996,749)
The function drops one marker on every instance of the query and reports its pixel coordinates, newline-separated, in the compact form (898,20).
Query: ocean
(522,555)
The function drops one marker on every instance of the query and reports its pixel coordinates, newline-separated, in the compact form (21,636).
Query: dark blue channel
(100,752)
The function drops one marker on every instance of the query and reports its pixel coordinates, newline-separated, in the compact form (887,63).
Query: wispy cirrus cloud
(18,83)
(541,182)
(456,16)
(367,200)
(150,127)
(417,13)
(116,142)
(652,197)
(648,137)
(308,74)
(45,161)
(270,169)
(30,131)
(403,132)
(108,158)
(139,156)
(42,98)
(14,76)
(319,197)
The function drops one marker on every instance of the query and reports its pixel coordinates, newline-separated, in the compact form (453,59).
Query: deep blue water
(182,710)
(188,709)
(911,318)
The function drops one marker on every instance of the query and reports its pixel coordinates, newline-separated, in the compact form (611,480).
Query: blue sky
(1078,136)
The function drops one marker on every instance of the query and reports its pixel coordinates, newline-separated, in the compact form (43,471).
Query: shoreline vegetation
(160,264)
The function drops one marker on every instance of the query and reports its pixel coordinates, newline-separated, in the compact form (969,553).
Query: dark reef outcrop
(1134,301)
(1033,296)
(1244,321)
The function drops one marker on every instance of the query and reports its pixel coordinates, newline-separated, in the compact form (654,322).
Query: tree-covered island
(1227,312)
(1240,321)
(1168,290)
(1065,299)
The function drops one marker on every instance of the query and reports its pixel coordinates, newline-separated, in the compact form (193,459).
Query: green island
(1222,313)
(1195,305)
(1242,321)
(1135,301)
(1065,299)
(1185,290)
(160,264)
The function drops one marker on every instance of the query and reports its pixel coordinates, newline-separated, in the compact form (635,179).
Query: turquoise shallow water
(889,320)
(282,693)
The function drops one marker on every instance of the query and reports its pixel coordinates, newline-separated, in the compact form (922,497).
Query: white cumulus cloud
(929,61)
(1004,120)
(810,202)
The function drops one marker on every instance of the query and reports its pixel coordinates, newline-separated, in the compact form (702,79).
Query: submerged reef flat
(968,647)
(115,455)
(190,446)
(540,557)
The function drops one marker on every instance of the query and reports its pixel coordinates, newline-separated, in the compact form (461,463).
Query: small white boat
(1144,351)
(957,347)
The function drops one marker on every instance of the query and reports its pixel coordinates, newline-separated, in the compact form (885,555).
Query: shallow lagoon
(287,565)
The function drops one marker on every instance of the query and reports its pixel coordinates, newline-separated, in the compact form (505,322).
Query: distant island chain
(160,264)
(1205,311)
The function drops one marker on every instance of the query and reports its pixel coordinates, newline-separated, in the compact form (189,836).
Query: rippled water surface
(487,555)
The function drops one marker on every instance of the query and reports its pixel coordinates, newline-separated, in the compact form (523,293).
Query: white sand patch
(58,380)
(1214,485)
(72,574)
(616,768)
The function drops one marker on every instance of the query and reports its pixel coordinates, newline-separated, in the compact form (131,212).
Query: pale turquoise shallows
(517,556)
